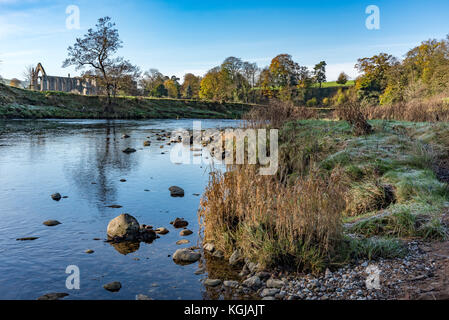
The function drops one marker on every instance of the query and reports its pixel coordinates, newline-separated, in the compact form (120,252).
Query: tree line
(234,80)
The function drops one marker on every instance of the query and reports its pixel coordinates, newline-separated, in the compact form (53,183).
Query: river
(83,160)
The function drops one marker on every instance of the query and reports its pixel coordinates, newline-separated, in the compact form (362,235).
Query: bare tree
(28,75)
(96,50)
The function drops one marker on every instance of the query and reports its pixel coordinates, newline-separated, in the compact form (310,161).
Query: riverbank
(25,104)
(373,200)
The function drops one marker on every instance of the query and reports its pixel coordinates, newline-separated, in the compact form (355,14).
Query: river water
(83,160)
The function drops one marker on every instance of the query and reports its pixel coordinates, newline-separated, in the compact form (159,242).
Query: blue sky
(193,36)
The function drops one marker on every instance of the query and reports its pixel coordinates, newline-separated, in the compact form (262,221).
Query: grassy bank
(337,197)
(24,104)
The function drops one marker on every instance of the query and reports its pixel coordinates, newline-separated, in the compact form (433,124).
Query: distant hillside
(26,104)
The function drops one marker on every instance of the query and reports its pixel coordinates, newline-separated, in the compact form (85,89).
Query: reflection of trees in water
(100,157)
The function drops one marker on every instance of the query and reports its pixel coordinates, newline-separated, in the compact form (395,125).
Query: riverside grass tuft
(272,223)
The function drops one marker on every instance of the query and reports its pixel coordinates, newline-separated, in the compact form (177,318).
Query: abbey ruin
(42,82)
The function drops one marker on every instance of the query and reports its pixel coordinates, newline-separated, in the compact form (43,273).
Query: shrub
(351,112)
(312,103)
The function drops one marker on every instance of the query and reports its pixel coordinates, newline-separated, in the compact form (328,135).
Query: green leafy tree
(343,78)
(319,72)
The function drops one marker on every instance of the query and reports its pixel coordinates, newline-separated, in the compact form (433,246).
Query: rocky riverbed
(419,275)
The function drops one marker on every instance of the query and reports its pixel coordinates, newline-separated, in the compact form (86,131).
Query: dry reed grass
(272,223)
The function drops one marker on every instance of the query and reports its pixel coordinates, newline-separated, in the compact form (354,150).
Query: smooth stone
(212,282)
(162,231)
(231,284)
(142,297)
(51,223)
(209,247)
(181,242)
(186,256)
(147,143)
(273,283)
(252,282)
(53,296)
(269,292)
(89,251)
(185,233)
(113,286)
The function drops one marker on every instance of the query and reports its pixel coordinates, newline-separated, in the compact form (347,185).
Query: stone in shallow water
(123,226)
(176,191)
(28,239)
(162,231)
(113,286)
(143,297)
(53,296)
(89,251)
(56,196)
(129,150)
(185,232)
(181,242)
(186,256)
(212,282)
(179,223)
(51,223)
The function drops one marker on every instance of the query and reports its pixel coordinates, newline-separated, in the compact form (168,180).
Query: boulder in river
(56,196)
(181,242)
(176,191)
(147,143)
(51,223)
(124,226)
(186,256)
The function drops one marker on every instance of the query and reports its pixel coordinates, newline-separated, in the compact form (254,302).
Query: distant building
(43,82)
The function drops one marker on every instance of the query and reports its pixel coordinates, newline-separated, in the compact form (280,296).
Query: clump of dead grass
(272,223)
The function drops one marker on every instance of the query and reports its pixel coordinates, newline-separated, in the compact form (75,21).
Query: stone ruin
(43,82)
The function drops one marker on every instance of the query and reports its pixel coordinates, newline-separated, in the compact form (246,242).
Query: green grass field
(332,84)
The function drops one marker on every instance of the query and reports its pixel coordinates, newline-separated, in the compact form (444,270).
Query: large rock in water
(125,227)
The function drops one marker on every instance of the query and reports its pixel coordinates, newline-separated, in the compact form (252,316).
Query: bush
(312,102)
(351,111)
